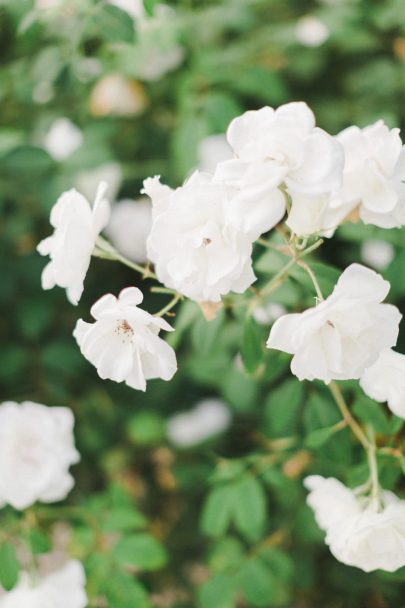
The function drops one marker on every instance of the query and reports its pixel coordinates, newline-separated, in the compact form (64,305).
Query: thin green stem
(105,250)
(169,306)
(311,274)
(347,416)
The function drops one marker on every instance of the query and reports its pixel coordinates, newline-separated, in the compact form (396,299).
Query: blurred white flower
(88,181)
(275,147)
(266,314)
(385,381)
(193,243)
(377,253)
(77,226)
(134,8)
(63,588)
(115,95)
(36,451)
(129,227)
(123,343)
(374,174)
(311,31)
(211,151)
(62,139)
(344,334)
(361,531)
(207,419)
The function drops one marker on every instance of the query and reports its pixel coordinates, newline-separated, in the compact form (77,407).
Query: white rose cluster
(360,531)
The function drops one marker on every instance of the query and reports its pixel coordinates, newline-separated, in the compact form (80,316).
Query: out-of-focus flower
(207,419)
(363,531)
(276,147)
(77,226)
(385,381)
(129,227)
(88,181)
(311,31)
(377,253)
(117,96)
(344,334)
(211,151)
(36,451)
(374,174)
(265,315)
(134,8)
(123,343)
(193,243)
(63,588)
(62,139)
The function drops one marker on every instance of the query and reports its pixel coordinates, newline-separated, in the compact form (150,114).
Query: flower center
(206,241)
(124,331)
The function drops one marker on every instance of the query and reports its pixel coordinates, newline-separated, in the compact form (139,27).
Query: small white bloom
(207,419)
(123,344)
(77,227)
(211,151)
(360,530)
(36,451)
(275,147)
(63,588)
(374,174)
(62,139)
(377,253)
(129,226)
(87,182)
(315,214)
(385,381)
(344,334)
(265,315)
(194,244)
(311,31)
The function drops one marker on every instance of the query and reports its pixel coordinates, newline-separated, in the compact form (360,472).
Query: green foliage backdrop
(223,524)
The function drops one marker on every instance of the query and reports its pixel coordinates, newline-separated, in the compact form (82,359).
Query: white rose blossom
(36,451)
(385,381)
(344,334)
(63,588)
(194,244)
(360,531)
(374,174)
(275,148)
(77,226)
(208,418)
(123,343)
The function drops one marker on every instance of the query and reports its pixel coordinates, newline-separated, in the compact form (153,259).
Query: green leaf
(145,428)
(326,276)
(205,333)
(124,591)
(9,566)
(281,408)
(320,436)
(218,592)
(249,507)
(371,412)
(140,550)
(124,519)
(27,160)
(257,582)
(39,542)
(226,555)
(252,345)
(113,24)
(217,510)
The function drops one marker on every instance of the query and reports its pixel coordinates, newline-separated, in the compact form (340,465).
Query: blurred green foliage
(222,524)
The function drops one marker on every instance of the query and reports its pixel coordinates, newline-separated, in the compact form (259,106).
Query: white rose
(311,31)
(63,588)
(330,500)
(36,451)
(129,227)
(385,381)
(62,139)
(374,539)
(374,174)
(315,214)
(208,418)
(123,343)
(275,147)
(344,334)
(194,244)
(360,531)
(77,227)
(377,253)
(211,151)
